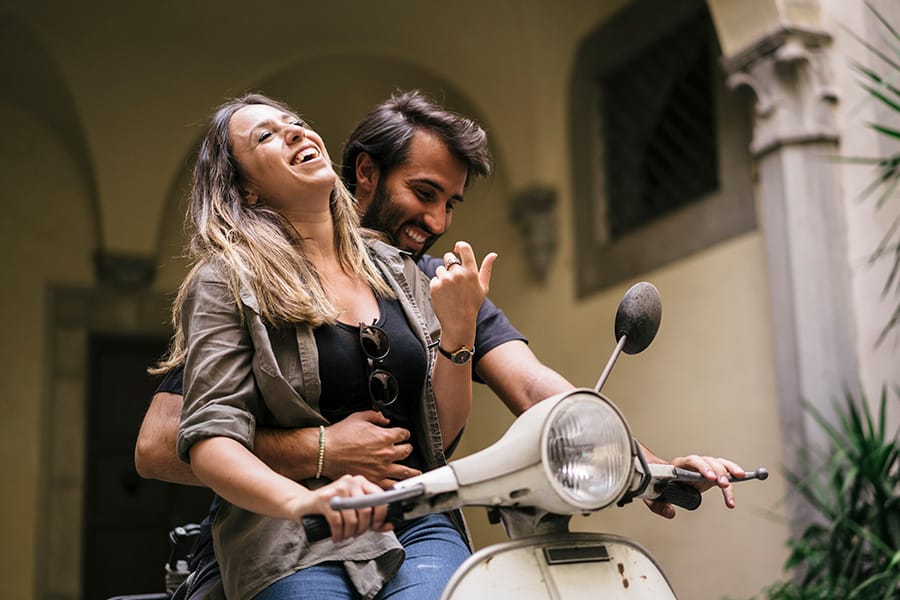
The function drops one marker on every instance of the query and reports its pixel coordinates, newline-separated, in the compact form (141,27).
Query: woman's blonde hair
(261,248)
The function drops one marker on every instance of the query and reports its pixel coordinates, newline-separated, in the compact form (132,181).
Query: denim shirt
(241,373)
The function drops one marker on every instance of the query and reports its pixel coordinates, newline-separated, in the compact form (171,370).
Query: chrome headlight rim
(626,445)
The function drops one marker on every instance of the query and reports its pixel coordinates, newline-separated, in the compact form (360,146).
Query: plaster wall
(44,239)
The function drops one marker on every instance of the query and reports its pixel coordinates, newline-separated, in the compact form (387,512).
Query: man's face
(414,204)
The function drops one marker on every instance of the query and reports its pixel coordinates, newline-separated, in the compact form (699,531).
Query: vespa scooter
(572,453)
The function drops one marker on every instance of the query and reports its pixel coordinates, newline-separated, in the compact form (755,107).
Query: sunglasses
(383,386)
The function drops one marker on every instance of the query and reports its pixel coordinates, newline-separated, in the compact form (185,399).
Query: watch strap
(460,356)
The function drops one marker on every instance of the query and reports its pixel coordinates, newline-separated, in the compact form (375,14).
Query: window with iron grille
(657,114)
(660,147)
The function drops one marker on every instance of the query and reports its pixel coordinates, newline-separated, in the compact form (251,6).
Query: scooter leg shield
(573,566)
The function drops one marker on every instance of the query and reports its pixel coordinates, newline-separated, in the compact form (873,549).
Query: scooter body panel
(571,566)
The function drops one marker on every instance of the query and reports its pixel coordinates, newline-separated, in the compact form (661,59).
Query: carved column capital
(789,75)
(801,205)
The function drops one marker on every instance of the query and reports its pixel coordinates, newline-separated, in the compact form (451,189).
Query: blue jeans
(434,549)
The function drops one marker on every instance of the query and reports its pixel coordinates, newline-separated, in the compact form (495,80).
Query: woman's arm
(241,478)
(218,422)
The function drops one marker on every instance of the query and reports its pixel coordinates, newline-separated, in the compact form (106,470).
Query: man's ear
(367,173)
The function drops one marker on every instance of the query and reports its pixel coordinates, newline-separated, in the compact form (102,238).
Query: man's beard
(382,216)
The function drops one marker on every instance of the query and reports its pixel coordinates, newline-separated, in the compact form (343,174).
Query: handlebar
(674,488)
(316,527)
(665,482)
(680,494)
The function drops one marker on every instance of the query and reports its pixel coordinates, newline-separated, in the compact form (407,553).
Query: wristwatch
(460,356)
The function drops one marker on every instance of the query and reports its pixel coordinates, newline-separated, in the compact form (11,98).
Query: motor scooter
(570,454)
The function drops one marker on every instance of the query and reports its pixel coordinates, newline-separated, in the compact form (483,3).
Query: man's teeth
(415,236)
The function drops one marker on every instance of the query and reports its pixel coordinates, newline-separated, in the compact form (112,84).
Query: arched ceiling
(38,87)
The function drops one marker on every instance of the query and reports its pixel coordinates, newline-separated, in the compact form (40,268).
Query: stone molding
(789,75)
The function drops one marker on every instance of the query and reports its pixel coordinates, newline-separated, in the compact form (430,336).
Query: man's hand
(715,470)
(358,445)
(361,444)
(458,289)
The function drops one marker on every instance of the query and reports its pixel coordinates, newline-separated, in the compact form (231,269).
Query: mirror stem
(610,364)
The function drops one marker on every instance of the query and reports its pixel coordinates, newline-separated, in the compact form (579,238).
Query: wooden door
(126,518)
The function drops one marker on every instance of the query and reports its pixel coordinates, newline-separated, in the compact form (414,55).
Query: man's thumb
(487,266)
(375,417)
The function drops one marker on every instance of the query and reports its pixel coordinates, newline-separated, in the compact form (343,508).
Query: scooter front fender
(570,566)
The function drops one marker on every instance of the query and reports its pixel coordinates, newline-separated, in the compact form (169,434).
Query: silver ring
(451,259)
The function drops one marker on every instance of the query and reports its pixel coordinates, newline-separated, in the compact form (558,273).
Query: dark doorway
(126,518)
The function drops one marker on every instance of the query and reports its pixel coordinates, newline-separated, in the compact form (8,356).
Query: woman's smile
(281,160)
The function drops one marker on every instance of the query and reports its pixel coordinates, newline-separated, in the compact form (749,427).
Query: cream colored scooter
(570,454)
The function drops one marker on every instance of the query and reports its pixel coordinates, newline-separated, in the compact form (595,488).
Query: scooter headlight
(587,450)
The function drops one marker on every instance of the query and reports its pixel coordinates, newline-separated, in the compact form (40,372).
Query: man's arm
(520,380)
(515,374)
(358,445)
(361,445)
(154,453)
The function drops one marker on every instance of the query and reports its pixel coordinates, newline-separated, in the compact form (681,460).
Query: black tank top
(343,370)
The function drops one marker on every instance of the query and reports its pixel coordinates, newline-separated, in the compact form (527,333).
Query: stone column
(795,142)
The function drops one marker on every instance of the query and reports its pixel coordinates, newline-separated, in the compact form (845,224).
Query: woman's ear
(367,173)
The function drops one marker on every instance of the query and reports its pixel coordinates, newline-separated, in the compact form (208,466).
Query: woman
(290,317)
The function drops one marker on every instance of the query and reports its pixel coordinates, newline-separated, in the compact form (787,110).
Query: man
(408,163)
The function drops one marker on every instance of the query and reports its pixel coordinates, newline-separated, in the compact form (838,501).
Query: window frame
(715,217)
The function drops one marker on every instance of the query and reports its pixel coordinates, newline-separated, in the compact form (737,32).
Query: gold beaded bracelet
(321,451)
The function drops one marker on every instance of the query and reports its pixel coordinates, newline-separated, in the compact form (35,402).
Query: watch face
(461,357)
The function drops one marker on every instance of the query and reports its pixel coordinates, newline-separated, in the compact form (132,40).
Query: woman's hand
(345,523)
(458,289)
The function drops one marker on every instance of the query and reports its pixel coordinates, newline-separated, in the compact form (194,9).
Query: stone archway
(39,88)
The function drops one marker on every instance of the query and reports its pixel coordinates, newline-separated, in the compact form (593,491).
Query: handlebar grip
(682,495)
(316,528)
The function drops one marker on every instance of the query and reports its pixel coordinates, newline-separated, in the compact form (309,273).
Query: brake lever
(371,500)
(686,475)
(671,484)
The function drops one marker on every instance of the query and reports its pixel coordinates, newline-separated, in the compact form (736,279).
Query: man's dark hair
(385,133)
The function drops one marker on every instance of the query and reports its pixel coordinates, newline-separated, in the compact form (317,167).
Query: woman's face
(282,162)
